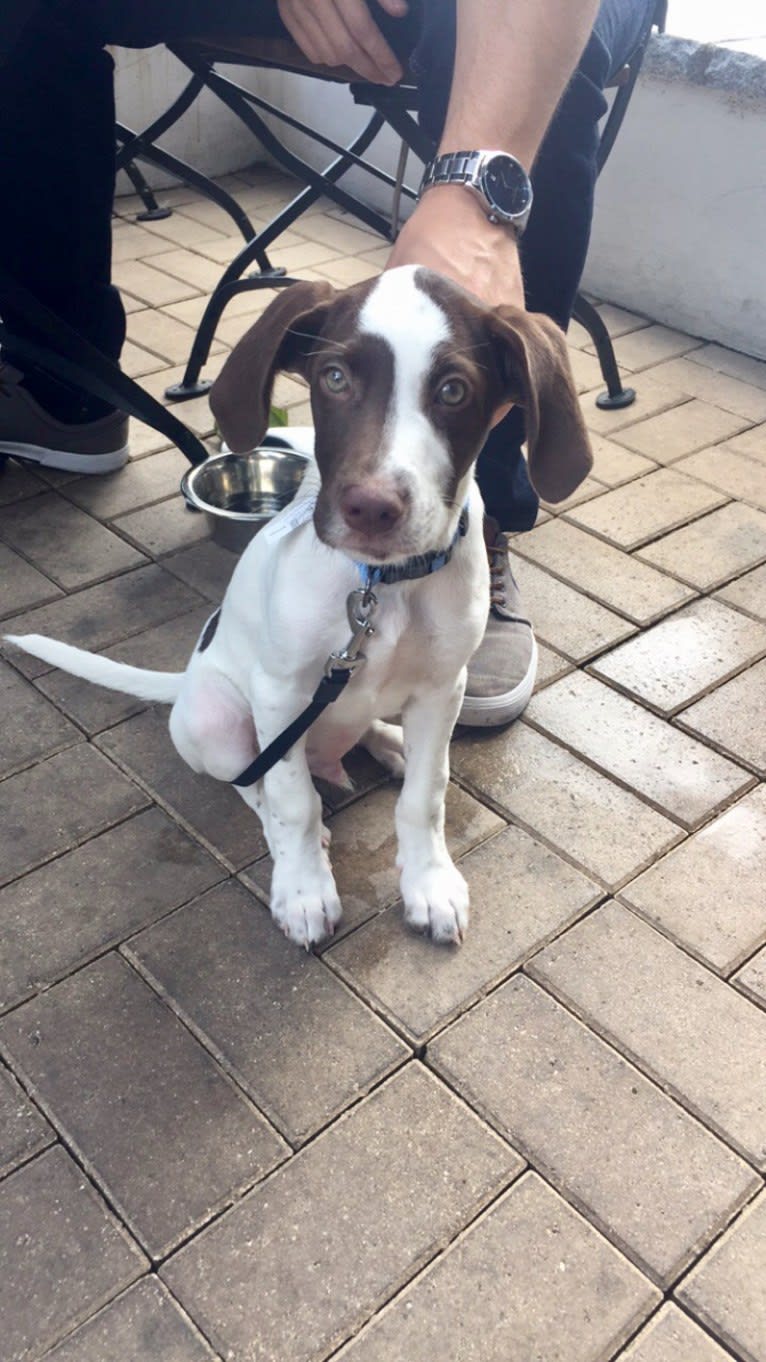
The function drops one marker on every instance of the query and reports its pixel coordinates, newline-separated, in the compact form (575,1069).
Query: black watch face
(506,185)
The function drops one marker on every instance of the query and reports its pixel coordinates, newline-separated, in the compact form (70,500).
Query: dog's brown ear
(539,376)
(240,398)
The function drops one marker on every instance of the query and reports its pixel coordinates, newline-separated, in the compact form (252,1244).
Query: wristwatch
(498,181)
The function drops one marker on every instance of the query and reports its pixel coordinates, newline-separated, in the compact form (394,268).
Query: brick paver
(708,893)
(549,1144)
(301,1262)
(681,1023)
(497,1295)
(145,1318)
(671,1336)
(725,1290)
(593,1125)
(166,1157)
(62,1254)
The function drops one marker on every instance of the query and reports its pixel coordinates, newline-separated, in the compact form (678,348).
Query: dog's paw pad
(436,903)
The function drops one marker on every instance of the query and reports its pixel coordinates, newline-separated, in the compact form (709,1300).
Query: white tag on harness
(291,518)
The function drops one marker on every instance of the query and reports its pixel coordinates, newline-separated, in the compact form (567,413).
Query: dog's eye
(334,379)
(452,393)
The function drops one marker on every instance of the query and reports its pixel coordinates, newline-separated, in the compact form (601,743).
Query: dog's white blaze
(413,325)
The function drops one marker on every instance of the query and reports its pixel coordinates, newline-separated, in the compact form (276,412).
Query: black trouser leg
(57,185)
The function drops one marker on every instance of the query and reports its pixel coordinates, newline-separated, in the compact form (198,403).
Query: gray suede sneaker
(501,673)
(29,433)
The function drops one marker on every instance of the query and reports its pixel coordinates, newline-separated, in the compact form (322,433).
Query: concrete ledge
(708,64)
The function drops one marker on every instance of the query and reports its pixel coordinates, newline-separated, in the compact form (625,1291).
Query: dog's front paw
(306,909)
(436,902)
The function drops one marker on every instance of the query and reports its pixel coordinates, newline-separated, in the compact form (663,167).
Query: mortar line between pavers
(160,801)
(103,1186)
(53,1143)
(676,711)
(6,615)
(727,1232)
(95,581)
(114,944)
(712,591)
(420,1041)
(147,1276)
(744,989)
(20,552)
(665,1085)
(516,819)
(629,550)
(151,555)
(640,1319)
(672,404)
(592,659)
(229,1066)
(30,763)
(723,972)
(121,638)
(420,1270)
(696,343)
(107,521)
(687,828)
(95,1186)
(639,625)
(325,1132)
(748,424)
(704,1328)
(715,744)
(548,1174)
(77,842)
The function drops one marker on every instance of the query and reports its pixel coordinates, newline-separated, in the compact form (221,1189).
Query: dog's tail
(145,685)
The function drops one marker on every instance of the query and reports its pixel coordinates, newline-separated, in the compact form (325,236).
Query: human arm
(513,61)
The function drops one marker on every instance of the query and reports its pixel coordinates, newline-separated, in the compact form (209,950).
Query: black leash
(326,693)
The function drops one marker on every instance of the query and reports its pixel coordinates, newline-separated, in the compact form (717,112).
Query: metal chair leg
(616,395)
(152,210)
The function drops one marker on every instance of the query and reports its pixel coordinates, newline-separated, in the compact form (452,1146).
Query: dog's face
(406,373)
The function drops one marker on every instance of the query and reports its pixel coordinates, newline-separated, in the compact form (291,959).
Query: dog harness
(361,605)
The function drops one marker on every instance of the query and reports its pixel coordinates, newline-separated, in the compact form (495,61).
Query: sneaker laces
(497,554)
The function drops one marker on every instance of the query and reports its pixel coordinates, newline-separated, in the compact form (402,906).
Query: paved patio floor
(547,1146)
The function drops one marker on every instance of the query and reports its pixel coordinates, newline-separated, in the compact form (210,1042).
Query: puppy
(406,373)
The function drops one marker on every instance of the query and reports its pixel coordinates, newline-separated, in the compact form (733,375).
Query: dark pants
(57,166)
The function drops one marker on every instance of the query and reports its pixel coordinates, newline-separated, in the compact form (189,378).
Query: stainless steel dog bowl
(240,493)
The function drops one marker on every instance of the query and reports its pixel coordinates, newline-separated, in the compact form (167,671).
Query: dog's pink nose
(370,512)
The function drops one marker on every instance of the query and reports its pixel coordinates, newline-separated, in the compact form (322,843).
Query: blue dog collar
(420,565)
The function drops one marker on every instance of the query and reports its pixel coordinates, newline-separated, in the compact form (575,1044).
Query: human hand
(450,233)
(343,33)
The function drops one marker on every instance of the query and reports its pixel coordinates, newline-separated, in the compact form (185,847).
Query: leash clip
(361,605)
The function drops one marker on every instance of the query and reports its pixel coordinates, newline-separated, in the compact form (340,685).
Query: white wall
(680,226)
(209,137)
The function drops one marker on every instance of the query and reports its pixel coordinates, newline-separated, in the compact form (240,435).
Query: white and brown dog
(406,373)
